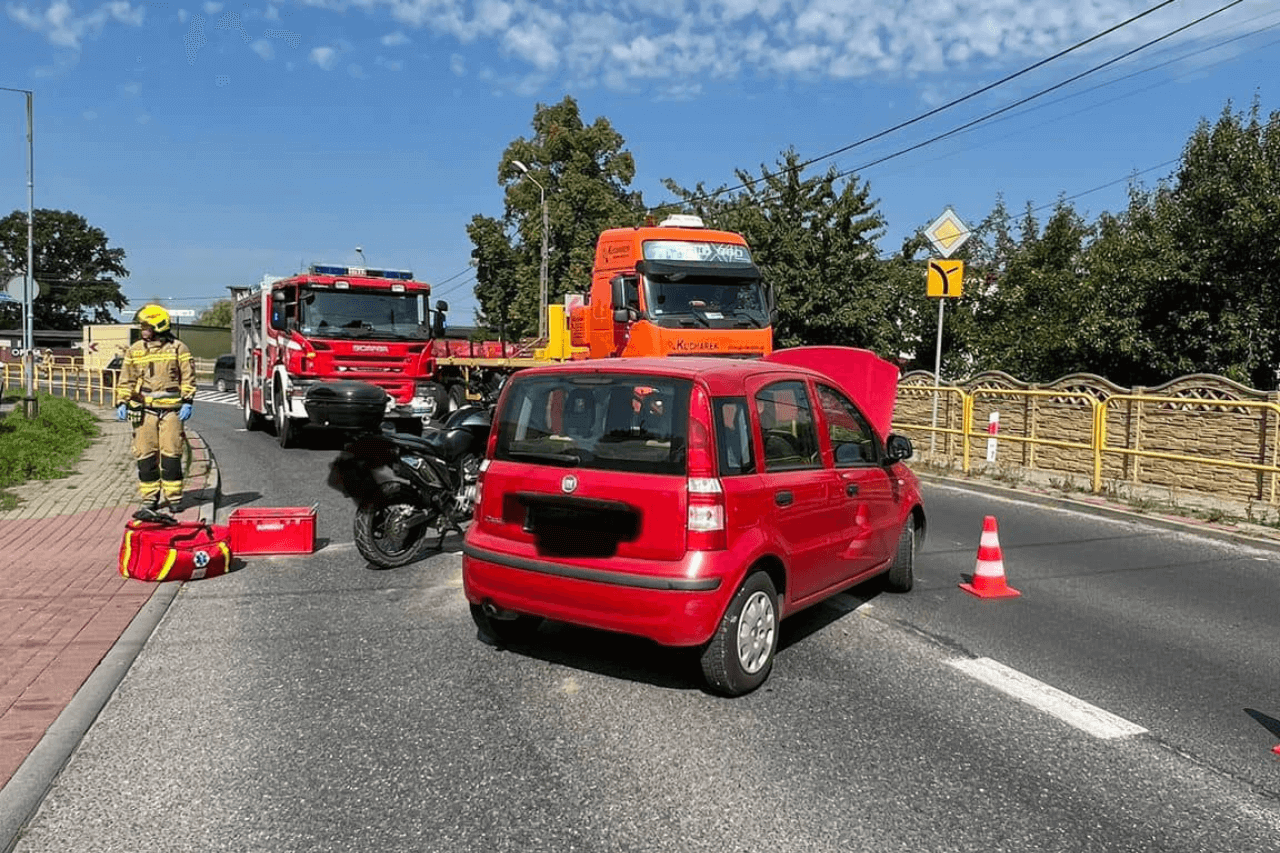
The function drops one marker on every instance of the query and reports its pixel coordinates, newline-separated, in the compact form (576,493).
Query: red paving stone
(63,602)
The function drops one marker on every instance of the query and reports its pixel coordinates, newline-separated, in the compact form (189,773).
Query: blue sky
(217,142)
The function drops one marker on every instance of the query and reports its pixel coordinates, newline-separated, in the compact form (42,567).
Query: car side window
(733,437)
(853,442)
(787,427)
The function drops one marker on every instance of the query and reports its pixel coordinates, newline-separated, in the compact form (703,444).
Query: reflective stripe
(128,552)
(168,564)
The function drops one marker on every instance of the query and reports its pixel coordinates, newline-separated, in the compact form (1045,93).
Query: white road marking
(1076,712)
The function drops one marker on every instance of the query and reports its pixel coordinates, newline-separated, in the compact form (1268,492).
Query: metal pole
(542,272)
(29,289)
(542,267)
(937,380)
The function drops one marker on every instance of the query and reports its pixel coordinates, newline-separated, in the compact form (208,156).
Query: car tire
(901,574)
(740,655)
(220,385)
(505,632)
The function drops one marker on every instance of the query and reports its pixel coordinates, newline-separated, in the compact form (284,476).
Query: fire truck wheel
(286,428)
(252,420)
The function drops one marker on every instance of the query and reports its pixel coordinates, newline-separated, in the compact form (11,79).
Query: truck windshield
(360,313)
(713,301)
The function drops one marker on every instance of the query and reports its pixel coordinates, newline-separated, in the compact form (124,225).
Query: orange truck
(676,288)
(670,289)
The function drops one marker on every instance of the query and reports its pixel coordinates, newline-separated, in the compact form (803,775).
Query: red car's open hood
(871,381)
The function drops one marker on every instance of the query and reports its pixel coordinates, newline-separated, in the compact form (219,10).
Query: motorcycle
(405,486)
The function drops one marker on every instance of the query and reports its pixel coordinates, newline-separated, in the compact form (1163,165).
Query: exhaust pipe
(493,611)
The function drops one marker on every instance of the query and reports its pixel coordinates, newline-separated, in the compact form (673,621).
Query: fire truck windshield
(360,313)
(713,301)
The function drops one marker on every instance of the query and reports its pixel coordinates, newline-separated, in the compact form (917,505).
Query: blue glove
(184,412)
(122,412)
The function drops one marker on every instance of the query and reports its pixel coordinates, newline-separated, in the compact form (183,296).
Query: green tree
(815,242)
(1190,272)
(1034,305)
(73,263)
(218,314)
(584,173)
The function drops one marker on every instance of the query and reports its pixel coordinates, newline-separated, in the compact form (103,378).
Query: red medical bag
(174,551)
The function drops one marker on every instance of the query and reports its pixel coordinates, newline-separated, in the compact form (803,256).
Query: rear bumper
(676,607)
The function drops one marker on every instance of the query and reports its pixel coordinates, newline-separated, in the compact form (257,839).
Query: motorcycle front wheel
(391,533)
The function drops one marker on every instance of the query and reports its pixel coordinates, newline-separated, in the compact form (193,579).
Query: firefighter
(154,392)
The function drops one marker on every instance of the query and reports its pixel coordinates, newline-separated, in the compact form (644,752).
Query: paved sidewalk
(63,603)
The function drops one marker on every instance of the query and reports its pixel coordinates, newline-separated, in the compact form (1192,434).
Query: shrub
(43,447)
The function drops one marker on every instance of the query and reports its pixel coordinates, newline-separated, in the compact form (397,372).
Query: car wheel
(221,385)
(505,631)
(740,655)
(901,574)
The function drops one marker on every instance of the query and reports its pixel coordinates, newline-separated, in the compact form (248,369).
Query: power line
(1032,97)
(801,166)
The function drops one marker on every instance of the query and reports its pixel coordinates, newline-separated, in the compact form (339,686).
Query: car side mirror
(898,448)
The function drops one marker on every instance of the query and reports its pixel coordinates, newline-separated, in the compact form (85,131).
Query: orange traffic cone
(988,577)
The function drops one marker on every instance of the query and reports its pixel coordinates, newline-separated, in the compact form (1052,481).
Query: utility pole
(29,405)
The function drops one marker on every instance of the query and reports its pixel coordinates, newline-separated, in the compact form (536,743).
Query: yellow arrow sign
(945,279)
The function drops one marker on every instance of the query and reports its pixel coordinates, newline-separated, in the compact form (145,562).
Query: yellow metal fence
(1227,447)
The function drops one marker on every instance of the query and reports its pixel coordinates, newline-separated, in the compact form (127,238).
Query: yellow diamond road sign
(947,233)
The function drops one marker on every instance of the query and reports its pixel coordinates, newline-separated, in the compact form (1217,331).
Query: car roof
(720,375)
(862,375)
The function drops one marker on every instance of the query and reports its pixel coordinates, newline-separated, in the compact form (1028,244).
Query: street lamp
(29,280)
(542,270)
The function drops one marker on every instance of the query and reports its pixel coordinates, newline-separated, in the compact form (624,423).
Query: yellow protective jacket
(158,373)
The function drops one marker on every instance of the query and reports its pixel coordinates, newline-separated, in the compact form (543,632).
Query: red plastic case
(273,530)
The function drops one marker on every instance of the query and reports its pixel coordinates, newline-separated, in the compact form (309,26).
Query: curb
(21,797)
(1222,532)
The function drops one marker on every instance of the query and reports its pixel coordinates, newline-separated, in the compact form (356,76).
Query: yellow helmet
(155,317)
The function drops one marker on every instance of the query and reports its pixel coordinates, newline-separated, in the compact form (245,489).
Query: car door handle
(850,489)
(783,498)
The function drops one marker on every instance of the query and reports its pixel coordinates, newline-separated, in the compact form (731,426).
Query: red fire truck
(333,323)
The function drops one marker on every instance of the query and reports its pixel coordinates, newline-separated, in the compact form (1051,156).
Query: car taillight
(704,528)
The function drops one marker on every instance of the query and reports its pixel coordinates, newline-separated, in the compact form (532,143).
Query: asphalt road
(315,704)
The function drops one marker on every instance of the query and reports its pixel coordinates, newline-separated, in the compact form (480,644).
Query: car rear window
(614,422)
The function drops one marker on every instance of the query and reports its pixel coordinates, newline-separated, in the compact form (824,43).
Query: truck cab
(672,289)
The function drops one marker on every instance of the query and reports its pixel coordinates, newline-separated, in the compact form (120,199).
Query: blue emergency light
(327,269)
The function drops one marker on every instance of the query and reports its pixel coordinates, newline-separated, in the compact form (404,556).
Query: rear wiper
(569,458)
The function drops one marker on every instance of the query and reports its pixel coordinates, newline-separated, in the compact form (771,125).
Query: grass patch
(44,447)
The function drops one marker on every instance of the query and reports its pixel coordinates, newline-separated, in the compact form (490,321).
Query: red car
(693,501)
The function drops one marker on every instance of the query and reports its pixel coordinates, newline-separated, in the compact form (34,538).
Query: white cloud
(325,57)
(389,64)
(263,48)
(679,45)
(132,89)
(63,26)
